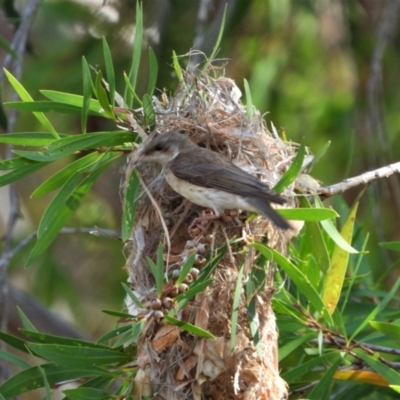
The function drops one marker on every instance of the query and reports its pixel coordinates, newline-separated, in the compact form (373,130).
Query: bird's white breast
(215,199)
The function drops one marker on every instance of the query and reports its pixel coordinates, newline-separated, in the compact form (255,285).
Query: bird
(208,178)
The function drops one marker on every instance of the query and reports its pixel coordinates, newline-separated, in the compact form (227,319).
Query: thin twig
(362,179)
(372,347)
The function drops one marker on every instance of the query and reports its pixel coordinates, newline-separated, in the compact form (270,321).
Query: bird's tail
(265,209)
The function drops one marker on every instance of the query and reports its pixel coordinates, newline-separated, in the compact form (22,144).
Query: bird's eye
(158,147)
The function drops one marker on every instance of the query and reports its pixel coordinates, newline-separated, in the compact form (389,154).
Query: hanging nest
(174,363)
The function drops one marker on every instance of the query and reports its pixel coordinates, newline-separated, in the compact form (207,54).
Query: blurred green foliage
(308,65)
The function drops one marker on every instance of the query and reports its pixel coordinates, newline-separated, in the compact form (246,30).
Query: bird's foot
(200,225)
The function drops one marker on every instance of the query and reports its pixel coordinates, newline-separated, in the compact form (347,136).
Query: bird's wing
(211,170)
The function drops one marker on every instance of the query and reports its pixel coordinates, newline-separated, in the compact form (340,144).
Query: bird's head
(161,148)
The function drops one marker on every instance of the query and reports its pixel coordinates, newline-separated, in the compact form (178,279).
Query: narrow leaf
(333,281)
(82,357)
(20,173)
(177,67)
(24,95)
(27,139)
(291,174)
(137,51)
(61,177)
(109,71)
(189,327)
(87,92)
(158,274)
(185,269)
(133,296)
(249,101)
(72,99)
(324,384)
(31,378)
(101,95)
(153,67)
(300,280)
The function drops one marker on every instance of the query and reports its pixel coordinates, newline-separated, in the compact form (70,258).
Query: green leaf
(300,280)
(387,245)
(83,393)
(186,269)
(62,206)
(69,145)
(130,89)
(298,372)
(25,321)
(24,95)
(31,378)
(46,106)
(45,338)
(11,358)
(27,139)
(72,99)
(80,357)
(388,328)
(324,384)
(193,291)
(148,110)
(217,43)
(293,344)
(153,67)
(158,273)
(307,214)
(177,67)
(119,314)
(388,373)
(87,92)
(115,332)
(16,163)
(189,327)
(132,337)
(321,152)
(291,174)
(137,51)
(313,241)
(101,95)
(62,176)
(235,308)
(249,101)
(378,309)
(109,71)
(130,204)
(212,264)
(333,281)
(21,172)
(13,341)
(333,233)
(132,295)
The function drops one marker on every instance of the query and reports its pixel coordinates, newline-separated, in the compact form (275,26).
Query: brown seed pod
(174,292)
(155,304)
(194,272)
(183,288)
(167,302)
(188,278)
(158,314)
(199,260)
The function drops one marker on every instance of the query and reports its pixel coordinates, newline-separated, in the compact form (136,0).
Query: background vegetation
(323,71)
